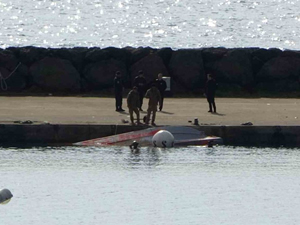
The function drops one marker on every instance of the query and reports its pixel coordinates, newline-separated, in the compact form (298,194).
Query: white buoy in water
(5,196)
(163,138)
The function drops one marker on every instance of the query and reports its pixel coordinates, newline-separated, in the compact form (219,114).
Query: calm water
(155,23)
(111,186)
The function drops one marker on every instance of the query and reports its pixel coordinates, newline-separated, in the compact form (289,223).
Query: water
(155,23)
(111,186)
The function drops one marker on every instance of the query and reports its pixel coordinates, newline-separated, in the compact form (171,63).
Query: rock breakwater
(29,70)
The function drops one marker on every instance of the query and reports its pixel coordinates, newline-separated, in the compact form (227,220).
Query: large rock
(29,55)
(138,54)
(96,55)
(151,65)
(213,54)
(279,68)
(260,56)
(13,80)
(75,55)
(263,54)
(186,68)
(111,53)
(55,74)
(278,87)
(12,73)
(120,54)
(8,59)
(235,67)
(165,54)
(100,75)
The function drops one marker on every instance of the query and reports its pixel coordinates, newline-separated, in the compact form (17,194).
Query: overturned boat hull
(183,136)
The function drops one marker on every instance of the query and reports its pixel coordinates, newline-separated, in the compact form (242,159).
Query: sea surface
(155,23)
(176,186)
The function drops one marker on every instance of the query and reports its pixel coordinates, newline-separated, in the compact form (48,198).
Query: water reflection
(147,156)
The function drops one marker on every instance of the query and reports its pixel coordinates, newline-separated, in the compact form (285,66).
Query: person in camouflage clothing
(133,103)
(154,98)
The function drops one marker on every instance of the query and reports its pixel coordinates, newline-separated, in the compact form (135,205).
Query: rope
(116,129)
(2,79)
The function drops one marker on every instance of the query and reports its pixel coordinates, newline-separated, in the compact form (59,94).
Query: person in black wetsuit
(210,89)
(118,86)
(141,83)
(134,147)
(161,86)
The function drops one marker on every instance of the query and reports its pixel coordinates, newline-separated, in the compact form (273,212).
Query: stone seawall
(29,70)
(46,134)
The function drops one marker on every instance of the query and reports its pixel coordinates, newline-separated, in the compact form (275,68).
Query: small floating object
(164,139)
(5,196)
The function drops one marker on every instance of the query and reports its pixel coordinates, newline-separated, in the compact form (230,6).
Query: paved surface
(177,111)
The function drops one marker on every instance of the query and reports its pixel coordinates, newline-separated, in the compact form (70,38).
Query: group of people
(141,89)
(155,94)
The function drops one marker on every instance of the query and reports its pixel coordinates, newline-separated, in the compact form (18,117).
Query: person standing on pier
(141,83)
(162,86)
(154,97)
(133,102)
(118,86)
(210,89)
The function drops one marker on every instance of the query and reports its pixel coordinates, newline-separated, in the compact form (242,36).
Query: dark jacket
(210,87)
(140,82)
(118,84)
(133,99)
(161,85)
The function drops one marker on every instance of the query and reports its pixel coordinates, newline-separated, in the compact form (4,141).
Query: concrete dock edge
(66,134)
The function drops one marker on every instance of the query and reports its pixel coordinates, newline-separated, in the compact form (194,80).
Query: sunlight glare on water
(191,185)
(156,23)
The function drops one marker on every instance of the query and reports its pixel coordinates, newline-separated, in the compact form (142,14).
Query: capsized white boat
(183,136)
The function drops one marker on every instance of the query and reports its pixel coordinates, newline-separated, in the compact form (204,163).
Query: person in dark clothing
(210,89)
(118,86)
(161,86)
(141,83)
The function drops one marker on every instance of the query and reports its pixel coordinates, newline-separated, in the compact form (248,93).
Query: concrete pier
(65,120)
